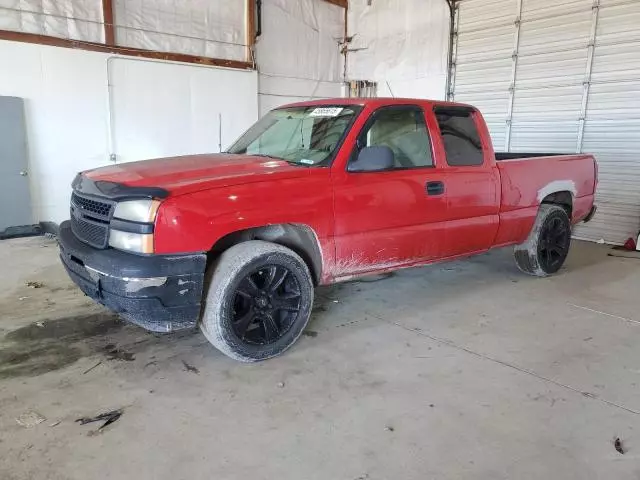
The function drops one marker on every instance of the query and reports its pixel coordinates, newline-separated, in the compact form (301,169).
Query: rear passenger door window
(404,131)
(460,137)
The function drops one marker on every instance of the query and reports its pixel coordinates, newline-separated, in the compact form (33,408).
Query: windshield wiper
(290,162)
(267,156)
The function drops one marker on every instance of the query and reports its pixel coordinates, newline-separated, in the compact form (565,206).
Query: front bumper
(161,293)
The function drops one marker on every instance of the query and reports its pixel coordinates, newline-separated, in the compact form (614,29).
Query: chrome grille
(90,219)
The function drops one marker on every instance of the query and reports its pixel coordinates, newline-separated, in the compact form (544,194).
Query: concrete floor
(460,370)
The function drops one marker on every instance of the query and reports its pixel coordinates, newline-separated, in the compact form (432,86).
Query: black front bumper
(161,293)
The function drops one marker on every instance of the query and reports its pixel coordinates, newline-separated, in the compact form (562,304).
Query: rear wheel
(258,301)
(547,246)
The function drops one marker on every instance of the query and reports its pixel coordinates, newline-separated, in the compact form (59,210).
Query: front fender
(196,221)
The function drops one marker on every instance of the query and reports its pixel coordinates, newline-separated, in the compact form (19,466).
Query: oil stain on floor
(50,345)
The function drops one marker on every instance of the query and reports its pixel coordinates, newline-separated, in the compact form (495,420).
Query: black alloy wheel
(257,301)
(553,245)
(266,304)
(546,248)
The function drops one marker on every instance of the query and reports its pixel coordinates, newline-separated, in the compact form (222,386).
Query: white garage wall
(161,109)
(67,112)
(72,19)
(401,44)
(197,27)
(65,96)
(297,54)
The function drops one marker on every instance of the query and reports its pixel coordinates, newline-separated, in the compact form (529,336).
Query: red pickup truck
(313,193)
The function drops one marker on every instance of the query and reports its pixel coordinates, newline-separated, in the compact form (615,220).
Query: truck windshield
(302,135)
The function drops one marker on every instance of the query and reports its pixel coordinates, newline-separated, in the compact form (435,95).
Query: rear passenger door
(473,182)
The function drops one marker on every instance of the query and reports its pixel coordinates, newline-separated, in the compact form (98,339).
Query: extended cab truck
(313,193)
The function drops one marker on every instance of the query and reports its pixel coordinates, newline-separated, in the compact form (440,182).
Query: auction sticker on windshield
(326,112)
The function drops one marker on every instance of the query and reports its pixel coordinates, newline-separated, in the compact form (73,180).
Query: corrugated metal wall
(560,76)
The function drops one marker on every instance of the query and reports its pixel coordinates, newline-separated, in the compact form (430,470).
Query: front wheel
(258,301)
(546,249)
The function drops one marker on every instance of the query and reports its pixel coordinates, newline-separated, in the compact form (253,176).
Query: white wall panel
(556,33)
(300,39)
(548,137)
(617,62)
(482,77)
(493,107)
(431,87)
(546,119)
(66,104)
(298,54)
(618,22)
(479,15)
(552,59)
(548,104)
(551,9)
(401,45)
(69,19)
(163,109)
(197,27)
(552,69)
(276,90)
(66,109)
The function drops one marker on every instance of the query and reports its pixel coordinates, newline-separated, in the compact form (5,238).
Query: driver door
(394,217)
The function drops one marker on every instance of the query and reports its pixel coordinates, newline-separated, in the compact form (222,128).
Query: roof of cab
(375,102)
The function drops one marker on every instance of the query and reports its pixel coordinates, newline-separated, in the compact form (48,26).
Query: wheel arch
(563,198)
(300,238)
(559,192)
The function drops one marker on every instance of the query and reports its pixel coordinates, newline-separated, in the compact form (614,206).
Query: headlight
(143,211)
(131,242)
(132,225)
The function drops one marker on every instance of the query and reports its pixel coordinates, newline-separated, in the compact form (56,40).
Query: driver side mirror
(373,159)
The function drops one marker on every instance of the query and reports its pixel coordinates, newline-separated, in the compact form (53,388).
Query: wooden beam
(129,51)
(109,24)
(250,29)
(339,3)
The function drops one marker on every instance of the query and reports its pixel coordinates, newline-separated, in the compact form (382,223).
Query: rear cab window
(460,136)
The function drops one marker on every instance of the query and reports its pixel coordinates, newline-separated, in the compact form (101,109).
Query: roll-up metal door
(560,76)
(612,126)
(483,64)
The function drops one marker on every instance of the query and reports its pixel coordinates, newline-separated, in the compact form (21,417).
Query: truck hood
(191,173)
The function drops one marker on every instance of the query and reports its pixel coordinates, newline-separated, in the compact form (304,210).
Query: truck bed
(525,184)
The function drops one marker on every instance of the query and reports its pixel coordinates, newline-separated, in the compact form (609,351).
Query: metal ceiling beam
(130,51)
(250,29)
(107,18)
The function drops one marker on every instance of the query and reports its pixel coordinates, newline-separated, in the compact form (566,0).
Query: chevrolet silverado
(313,193)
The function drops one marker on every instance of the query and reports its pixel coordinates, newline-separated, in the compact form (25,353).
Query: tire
(242,317)
(546,249)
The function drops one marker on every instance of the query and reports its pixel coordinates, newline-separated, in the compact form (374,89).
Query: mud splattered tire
(547,247)
(258,301)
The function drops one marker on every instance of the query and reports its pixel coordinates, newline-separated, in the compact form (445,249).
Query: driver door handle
(435,188)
